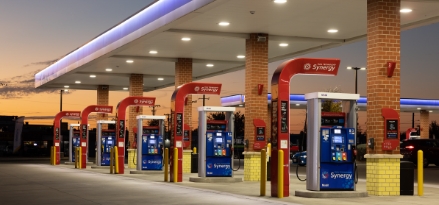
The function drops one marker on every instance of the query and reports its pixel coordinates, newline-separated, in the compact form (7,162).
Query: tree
(239,121)
(332,105)
(153,123)
(434,130)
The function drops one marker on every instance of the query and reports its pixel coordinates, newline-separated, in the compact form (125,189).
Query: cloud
(46,63)
(22,86)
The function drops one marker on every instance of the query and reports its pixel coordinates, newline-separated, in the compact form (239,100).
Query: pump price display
(121,128)
(57,134)
(284,117)
(84,131)
(179,124)
(392,129)
(274,124)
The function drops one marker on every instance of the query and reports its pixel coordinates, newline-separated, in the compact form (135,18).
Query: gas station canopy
(213,33)
(298,101)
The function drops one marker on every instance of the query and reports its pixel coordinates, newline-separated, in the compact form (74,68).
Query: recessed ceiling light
(240,56)
(185,39)
(160,78)
(241,105)
(418,108)
(209,65)
(153,52)
(283,44)
(223,23)
(430,111)
(66,90)
(405,10)
(92,76)
(125,88)
(297,104)
(66,86)
(130,61)
(78,82)
(332,31)
(280,1)
(108,69)
(349,68)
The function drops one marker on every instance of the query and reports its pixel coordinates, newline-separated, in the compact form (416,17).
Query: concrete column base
(383,174)
(252,166)
(132,158)
(187,161)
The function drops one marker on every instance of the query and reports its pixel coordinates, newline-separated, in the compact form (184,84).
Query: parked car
(430,147)
(299,158)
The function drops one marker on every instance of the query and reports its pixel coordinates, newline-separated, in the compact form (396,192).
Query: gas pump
(215,140)
(74,141)
(150,143)
(105,140)
(330,146)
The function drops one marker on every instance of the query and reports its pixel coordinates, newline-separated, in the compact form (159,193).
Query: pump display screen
(337,131)
(151,141)
(110,142)
(219,140)
(337,139)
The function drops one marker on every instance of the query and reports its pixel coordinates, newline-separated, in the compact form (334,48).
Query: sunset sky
(35,33)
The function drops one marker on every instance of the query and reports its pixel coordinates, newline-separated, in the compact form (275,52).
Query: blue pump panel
(336,160)
(108,142)
(152,158)
(75,143)
(218,154)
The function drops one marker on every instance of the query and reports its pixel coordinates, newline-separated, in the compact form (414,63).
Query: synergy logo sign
(104,109)
(154,162)
(74,114)
(320,67)
(207,89)
(221,166)
(143,101)
(340,176)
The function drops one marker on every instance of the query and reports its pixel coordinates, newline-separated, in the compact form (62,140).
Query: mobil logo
(325,175)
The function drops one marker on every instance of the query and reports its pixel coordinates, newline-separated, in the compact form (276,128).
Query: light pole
(356,75)
(153,109)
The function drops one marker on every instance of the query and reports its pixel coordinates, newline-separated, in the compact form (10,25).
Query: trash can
(194,163)
(407,178)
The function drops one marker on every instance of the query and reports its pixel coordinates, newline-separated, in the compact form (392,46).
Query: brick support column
(136,89)
(256,72)
(183,75)
(102,99)
(425,124)
(383,45)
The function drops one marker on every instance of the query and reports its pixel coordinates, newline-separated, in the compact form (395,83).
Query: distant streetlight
(356,75)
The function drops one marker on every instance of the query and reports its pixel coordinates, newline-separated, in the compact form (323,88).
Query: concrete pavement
(22,183)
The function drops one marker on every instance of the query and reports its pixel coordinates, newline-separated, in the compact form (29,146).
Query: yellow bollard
(165,163)
(51,155)
(263,172)
(280,174)
(76,157)
(112,160)
(194,150)
(116,160)
(175,158)
(79,157)
(269,149)
(420,173)
(54,155)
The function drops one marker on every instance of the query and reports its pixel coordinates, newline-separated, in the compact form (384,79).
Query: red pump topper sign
(259,141)
(280,101)
(83,128)
(121,127)
(177,118)
(57,130)
(391,129)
